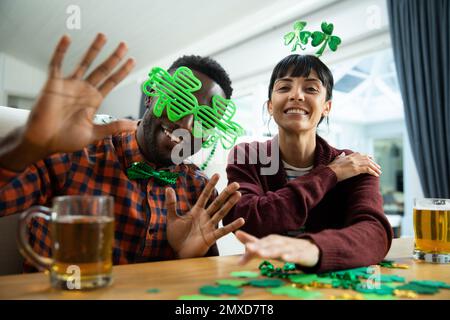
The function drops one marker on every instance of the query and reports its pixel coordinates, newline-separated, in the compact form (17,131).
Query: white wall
(19,79)
(123,101)
(255,58)
(22,80)
(412,187)
(345,135)
(2,77)
(411,182)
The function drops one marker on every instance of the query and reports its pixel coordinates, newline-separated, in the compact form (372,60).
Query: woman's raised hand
(347,166)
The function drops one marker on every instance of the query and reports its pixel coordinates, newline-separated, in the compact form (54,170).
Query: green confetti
(266,283)
(204,297)
(431,283)
(324,280)
(220,290)
(268,270)
(232,282)
(309,279)
(385,277)
(361,270)
(288,266)
(378,289)
(295,292)
(392,265)
(153,290)
(387,263)
(393,285)
(345,284)
(417,288)
(304,279)
(244,274)
(349,274)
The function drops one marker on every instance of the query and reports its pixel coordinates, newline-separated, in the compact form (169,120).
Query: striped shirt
(294,172)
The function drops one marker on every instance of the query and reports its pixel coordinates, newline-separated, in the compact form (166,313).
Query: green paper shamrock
(300,37)
(232,282)
(153,290)
(266,283)
(386,277)
(431,283)
(418,288)
(220,290)
(244,274)
(380,289)
(304,279)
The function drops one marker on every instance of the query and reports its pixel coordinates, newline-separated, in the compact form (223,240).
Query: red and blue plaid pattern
(100,169)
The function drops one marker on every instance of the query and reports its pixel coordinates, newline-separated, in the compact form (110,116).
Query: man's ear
(147,101)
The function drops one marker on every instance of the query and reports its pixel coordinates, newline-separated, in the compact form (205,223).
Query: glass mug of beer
(82,234)
(432,230)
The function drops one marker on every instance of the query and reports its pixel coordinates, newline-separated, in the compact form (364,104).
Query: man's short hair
(207,66)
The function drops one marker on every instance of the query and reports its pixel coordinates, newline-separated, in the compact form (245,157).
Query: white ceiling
(153,30)
(29,29)
(158,31)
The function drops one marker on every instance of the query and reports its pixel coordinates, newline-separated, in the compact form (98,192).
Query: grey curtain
(420,33)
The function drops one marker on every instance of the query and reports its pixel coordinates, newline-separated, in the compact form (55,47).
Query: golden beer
(82,237)
(432,230)
(85,243)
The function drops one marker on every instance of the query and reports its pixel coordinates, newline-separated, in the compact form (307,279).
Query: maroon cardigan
(345,220)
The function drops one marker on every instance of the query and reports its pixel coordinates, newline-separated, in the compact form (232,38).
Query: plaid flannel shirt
(100,169)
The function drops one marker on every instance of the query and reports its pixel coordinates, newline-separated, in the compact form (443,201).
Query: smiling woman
(322,209)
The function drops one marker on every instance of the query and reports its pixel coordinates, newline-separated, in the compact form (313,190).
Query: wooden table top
(184,277)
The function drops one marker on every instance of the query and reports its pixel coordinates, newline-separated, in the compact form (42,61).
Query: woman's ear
(269,107)
(326,109)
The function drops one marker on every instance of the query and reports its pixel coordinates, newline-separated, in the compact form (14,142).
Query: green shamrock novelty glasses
(175,94)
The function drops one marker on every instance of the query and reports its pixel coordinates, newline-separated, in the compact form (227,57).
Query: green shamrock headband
(302,37)
(175,93)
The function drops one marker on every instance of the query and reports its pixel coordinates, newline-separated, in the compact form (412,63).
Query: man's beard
(155,150)
(153,154)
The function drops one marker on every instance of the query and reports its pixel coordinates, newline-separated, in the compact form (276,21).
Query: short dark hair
(207,66)
(296,65)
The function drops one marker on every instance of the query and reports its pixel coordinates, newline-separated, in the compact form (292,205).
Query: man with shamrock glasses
(61,151)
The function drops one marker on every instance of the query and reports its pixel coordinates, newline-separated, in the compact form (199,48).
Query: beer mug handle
(41,262)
